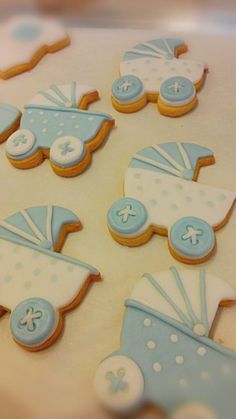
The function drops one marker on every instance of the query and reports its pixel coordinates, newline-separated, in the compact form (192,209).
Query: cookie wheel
(119,383)
(20,144)
(128,94)
(33,322)
(191,240)
(194,411)
(67,151)
(177,96)
(126,217)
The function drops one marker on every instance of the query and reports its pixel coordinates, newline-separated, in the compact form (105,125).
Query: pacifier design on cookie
(38,285)
(152,72)
(24,40)
(57,125)
(162,196)
(166,356)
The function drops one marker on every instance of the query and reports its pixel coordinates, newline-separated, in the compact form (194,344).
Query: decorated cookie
(166,356)
(24,40)
(38,285)
(9,120)
(57,125)
(152,72)
(162,196)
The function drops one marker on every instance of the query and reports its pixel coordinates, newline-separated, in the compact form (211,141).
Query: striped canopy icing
(38,226)
(189,297)
(162,48)
(176,159)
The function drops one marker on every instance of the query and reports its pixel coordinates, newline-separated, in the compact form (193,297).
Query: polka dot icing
(147,322)
(174,338)
(201,351)
(179,359)
(151,344)
(157,367)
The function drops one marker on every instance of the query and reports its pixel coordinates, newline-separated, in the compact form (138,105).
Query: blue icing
(173,44)
(49,123)
(33,322)
(60,217)
(8,115)
(173,384)
(177,89)
(127,88)
(127,216)
(192,237)
(27,32)
(194,152)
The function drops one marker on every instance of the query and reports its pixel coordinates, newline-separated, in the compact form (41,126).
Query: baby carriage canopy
(156,48)
(192,303)
(38,226)
(67,95)
(176,159)
(8,115)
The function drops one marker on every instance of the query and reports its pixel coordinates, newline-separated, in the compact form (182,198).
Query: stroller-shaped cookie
(161,196)
(57,125)
(166,356)
(38,285)
(24,40)
(152,72)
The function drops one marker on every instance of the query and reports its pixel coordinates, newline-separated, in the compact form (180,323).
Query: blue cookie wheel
(191,239)
(119,383)
(177,90)
(127,217)
(127,89)
(33,322)
(20,144)
(67,151)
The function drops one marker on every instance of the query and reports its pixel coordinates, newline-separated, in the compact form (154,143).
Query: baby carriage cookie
(24,40)
(9,120)
(162,196)
(152,72)
(166,356)
(38,285)
(57,125)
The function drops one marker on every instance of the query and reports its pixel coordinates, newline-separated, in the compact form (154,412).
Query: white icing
(176,198)
(217,290)
(179,102)
(34,274)
(74,150)
(14,52)
(153,71)
(157,367)
(151,344)
(80,91)
(147,322)
(174,338)
(132,376)
(20,142)
(179,359)
(201,351)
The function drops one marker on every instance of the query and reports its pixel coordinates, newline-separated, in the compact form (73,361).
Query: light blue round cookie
(127,216)
(127,88)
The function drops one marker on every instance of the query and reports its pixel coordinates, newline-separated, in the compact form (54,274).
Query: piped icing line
(167,156)
(180,326)
(20,232)
(203,298)
(32,225)
(55,255)
(158,165)
(49,223)
(71,110)
(184,156)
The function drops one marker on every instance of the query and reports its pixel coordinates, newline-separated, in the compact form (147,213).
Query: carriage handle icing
(31,268)
(166,356)
(162,196)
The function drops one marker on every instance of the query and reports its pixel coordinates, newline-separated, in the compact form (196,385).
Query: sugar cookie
(38,285)
(152,72)
(24,40)
(161,196)
(166,356)
(57,125)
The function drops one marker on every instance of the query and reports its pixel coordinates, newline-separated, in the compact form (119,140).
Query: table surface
(57,383)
